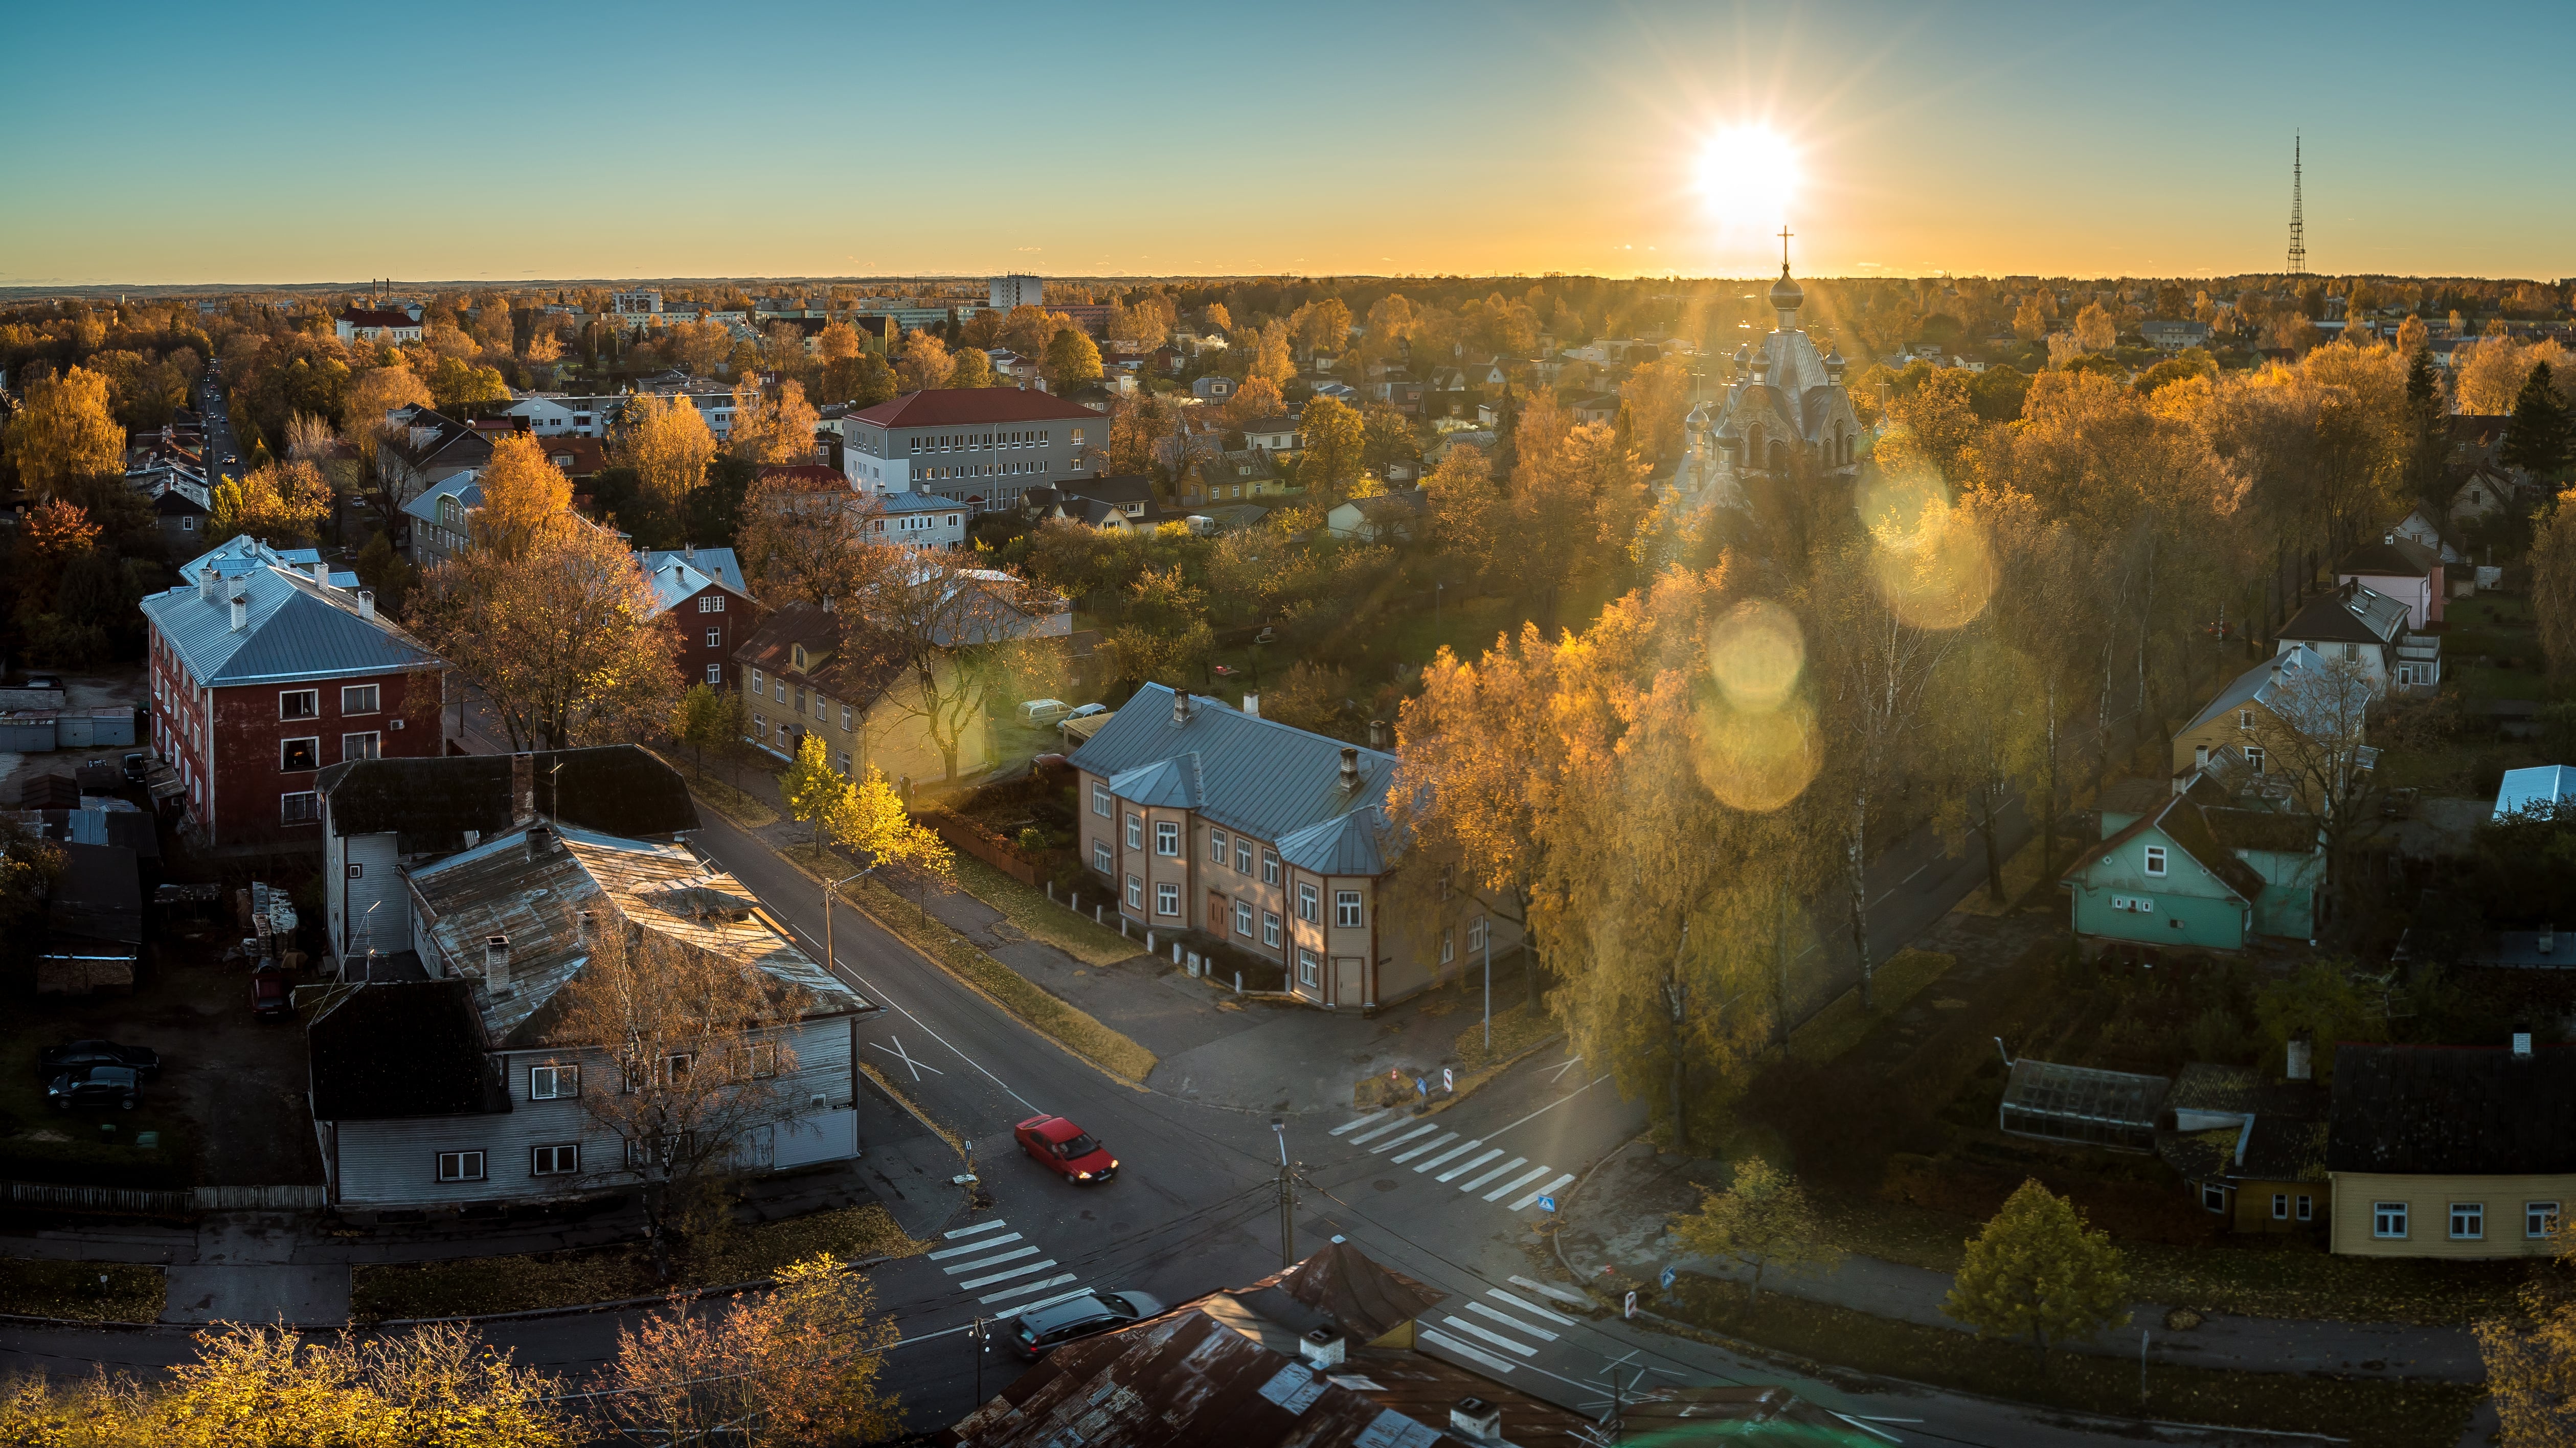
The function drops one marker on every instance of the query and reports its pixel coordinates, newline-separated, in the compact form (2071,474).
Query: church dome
(1787,295)
(1698,419)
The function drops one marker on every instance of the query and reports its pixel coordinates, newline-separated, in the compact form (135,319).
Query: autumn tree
(709,717)
(284,505)
(972,368)
(2553,583)
(1333,435)
(1271,361)
(566,641)
(1072,360)
(64,430)
(1323,325)
(953,640)
(458,386)
(692,1033)
(2036,1268)
(800,1363)
(525,498)
(1162,635)
(772,432)
(808,543)
(864,816)
(667,443)
(922,363)
(1657,396)
(1257,400)
(1763,1221)
(1310,696)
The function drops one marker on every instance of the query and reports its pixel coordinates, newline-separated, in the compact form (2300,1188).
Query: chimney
(581,923)
(321,573)
(1350,769)
(206,583)
(496,964)
(241,613)
(1476,1418)
(1322,1348)
(523,788)
(1180,707)
(2522,1045)
(1377,734)
(541,842)
(1252,705)
(689,551)
(366,603)
(2387,538)
(2300,1066)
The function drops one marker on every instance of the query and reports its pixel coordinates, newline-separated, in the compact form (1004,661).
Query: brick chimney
(523,788)
(1350,769)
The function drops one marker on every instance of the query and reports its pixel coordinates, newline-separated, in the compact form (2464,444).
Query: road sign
(1547,1204)
(1632,1305)
(1448,1080)
(1421,1087)
(1668,1279)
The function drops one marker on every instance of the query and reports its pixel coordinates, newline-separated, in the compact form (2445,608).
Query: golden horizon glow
(1748,176)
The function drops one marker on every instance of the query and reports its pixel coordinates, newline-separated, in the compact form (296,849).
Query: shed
(100,728)
(2082,1105)
(28,731)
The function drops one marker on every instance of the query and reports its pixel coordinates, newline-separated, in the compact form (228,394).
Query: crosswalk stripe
(1548,1190)
(1357,1124)
(1507,1188)
(1513,1165)
(1456,1151)
(1552,1292)
(1455,1172)
(1443,1139)
(1393,1142)
(1476,1355)
(1530,1307)
(1378,1130)
(955,1269)
(987,1245)
(978,1227)
(1007,1273)
(1496,1338)
(1498,1315)
(1026,1287)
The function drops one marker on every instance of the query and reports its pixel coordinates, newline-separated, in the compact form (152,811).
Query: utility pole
(828,892)
(1489,992)
(1287,1197)
(979,1357)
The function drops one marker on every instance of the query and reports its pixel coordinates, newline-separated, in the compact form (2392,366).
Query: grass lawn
(84,1291)
(479,1286)
(2363,1412)
(1841,1025)
(1076,1028)
(1041,918)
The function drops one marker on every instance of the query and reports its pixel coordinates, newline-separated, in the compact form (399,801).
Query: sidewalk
(1640,1191)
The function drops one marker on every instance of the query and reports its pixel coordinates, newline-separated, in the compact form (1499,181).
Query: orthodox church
(1782,402)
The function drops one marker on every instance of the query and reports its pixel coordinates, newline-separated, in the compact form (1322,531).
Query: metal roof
(2541,784)
(719,564)
(1256,775)
(2081,1103)
(465,487)
(1344,846)
(294,628)
(1164,784)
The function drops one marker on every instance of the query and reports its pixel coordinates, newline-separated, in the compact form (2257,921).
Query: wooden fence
(999,853)
(142,1202)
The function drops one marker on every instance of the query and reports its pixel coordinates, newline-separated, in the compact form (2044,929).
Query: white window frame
(2280,1206)
(2254,759)
(312,712)
(2472,1215)
(2156,861)
(1167,899)
(2539,1219)
(560,1159)
(1476,933)
(361,698)
(1217,848)
(553,1083)
(312,741)
(1448,944)
(1346,909)
(1269,928)
(1305,967)
(1310,902)
(1242,855)
(1135,831)
(461,1166)
(1243,918)
(1135,893)
(1103,858)
(291,813)
(373,746)
(1167,839)
(1269,868)
(2213,1197)
(2307,1207)
(2388,1221)
(715,638)
(1100,800)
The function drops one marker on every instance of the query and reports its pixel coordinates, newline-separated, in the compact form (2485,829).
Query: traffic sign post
(1631,1309)
(1448,1080)
(1547,1204)
(1668,1279)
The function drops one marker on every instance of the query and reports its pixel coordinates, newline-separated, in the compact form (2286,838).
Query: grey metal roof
(719,564)
(1164,784)
(1256,775)
(1344,846)
(294,628)
(465,487)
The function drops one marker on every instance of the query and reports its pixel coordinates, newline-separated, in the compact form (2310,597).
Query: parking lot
(228,1107)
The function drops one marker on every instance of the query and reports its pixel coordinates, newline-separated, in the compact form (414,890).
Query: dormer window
(796,655)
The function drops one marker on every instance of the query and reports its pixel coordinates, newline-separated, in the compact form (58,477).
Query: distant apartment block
(980,446)
(1017,291)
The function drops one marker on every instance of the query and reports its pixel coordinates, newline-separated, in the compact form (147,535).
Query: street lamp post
(828,891)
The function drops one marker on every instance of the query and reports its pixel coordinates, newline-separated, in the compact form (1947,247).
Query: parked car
(96,1083)
(1085,711)
(1041,1330)
(53,1061)
(1044,711)
(1065,1149)
(270,1000)
(137,765)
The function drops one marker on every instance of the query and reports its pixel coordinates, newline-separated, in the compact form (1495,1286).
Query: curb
(728,1289)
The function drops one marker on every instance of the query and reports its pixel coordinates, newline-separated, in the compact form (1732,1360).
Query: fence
(997,853)
(143,1202)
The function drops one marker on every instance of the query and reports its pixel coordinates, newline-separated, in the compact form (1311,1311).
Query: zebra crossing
(1501,1330)
(1423,1146)
(990,1254)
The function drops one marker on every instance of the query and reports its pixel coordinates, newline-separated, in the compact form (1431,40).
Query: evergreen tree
(2538,437)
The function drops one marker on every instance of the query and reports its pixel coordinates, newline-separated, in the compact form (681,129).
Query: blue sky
(275,143)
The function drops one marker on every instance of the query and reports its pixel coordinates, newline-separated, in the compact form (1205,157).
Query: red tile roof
(972,406)
(362,317)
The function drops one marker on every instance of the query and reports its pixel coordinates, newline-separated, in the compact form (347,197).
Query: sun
(1747,176)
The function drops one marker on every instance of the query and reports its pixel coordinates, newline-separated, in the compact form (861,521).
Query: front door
(1217,908)
(1350,980)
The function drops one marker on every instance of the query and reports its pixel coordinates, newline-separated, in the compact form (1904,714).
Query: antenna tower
(2298,228)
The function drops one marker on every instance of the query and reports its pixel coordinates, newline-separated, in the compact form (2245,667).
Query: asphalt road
(220,441)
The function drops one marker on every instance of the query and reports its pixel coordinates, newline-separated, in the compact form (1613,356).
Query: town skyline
(2006,141)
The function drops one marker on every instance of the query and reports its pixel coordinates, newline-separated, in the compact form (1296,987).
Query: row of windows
(558,1159)
(711,603)
(968,442)
(307,703)
(2468,1220)
(2214,1197)
(294,756)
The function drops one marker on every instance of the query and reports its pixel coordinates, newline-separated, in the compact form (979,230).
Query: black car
(1041,1330)
(53,1061)
(96,1083)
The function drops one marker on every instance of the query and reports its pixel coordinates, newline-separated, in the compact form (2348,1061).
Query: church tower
(1784,401)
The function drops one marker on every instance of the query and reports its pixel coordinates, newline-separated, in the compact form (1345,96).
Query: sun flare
(1748,176)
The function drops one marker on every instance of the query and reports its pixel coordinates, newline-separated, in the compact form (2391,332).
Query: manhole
(1383,1184)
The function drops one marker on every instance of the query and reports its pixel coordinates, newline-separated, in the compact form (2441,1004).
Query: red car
(1065,1149)
(269,998)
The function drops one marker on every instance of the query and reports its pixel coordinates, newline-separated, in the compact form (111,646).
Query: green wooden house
(2190,870)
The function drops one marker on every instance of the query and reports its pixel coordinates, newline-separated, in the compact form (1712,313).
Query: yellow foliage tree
(65,430)
(282,504)
(799,1364)
(525,497)
(666,441)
